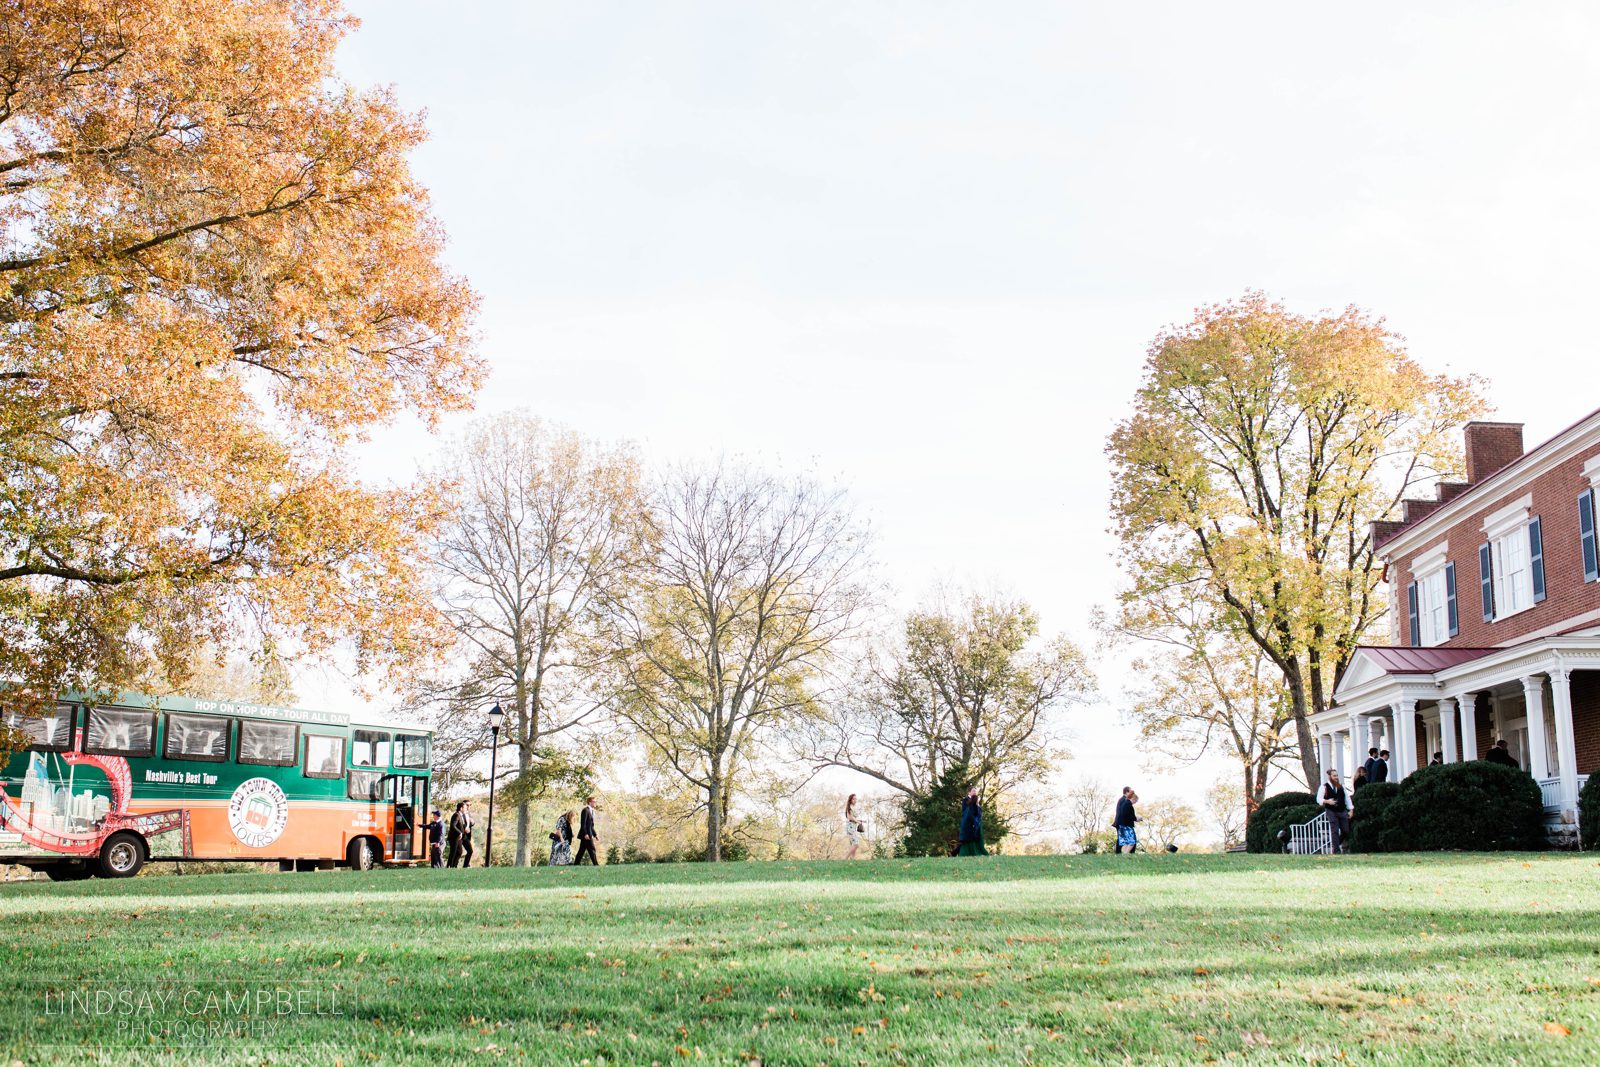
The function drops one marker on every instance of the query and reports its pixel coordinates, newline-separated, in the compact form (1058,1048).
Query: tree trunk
(714,818)
(1302,726)
(522,811)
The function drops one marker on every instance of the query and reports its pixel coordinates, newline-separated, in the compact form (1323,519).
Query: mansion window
(1431,599)
(1511,564)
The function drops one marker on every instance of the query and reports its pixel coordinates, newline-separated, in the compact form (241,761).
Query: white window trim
(1434,559)
(1429,608)
(1499,523)
(1519,536)
(1591,471)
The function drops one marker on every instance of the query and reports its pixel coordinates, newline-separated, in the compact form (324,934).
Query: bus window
(121,732)
(273,743)
(410,790)
(197,737)
(411,750)
(370,748)
(324,756)
(50,732)
(367,785)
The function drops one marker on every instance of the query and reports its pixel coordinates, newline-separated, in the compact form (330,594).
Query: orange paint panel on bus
(311,830)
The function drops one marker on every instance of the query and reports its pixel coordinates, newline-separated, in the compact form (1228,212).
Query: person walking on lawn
(852,827)
(969,840)
(461,836)
(1336,802)
(434,828)
(587,838)
(561,841)
(1127,836)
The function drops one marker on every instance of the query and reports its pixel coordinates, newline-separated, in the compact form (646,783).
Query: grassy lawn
(1151,959)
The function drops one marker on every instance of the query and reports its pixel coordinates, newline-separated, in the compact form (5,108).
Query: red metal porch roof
(1395,659)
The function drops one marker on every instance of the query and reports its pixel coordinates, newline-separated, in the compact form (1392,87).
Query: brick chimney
(1490,446)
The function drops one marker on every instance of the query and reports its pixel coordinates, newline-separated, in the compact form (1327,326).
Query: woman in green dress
(969,841)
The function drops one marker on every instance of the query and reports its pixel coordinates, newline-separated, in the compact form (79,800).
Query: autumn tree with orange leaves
(1262,445)
(219,273)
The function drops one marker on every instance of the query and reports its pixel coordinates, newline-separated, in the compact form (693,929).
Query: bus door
(410,797)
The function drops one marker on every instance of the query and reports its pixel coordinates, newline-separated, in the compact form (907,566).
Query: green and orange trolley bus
(107,785)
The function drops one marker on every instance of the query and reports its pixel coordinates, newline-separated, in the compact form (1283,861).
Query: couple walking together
(561,840)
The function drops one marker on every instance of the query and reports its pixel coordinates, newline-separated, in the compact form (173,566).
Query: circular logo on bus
(258,812)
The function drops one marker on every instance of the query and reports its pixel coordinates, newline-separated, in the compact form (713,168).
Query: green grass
(1441,959)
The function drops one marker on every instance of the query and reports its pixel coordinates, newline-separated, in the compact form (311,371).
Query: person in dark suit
(1127,836)
(461,836)
(1336,802)
(1380,769)
(587,837)
(1437,761)
(1372,761)
(969,839)
(1501,753)
(434,828)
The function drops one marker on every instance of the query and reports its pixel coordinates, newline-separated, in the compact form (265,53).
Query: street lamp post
(496,717)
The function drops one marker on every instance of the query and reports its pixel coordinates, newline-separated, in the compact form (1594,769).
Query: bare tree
(752,582)
(969,685)
(547,527)
(1089,805)
(1207,690)
(1166,822)
(1225,805)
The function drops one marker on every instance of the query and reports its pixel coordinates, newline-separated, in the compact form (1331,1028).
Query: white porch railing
(1314,838)
(1551,788)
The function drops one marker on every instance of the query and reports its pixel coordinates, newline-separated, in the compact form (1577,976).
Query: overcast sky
(921,247)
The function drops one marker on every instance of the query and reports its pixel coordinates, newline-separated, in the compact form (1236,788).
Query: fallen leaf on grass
(1557,1030)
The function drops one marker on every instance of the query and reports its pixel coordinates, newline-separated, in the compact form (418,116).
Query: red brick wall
(1586,719)
(1555,501)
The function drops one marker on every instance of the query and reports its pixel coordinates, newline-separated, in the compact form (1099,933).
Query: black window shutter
(1586,535)
(1450,598)
(1486,582)
(1411,610)
(1536,558)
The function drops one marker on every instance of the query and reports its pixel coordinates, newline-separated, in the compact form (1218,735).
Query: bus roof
(241,708)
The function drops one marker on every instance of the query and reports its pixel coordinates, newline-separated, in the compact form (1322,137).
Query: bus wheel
(122,855)
(361,854)
(66,872)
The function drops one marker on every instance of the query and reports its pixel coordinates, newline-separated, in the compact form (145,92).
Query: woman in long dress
(561,841)
(969,841)
(852,827)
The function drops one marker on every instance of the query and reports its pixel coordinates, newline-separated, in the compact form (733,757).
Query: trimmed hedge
(1257,837)
(1473,807)
(1589,812)
(1370,815)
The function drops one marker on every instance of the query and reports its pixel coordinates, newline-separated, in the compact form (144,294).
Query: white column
(1358,751)
(1447,728)
(1538,759)
(1405,737)
(1325,751)
(1566,750)
(1469,725)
